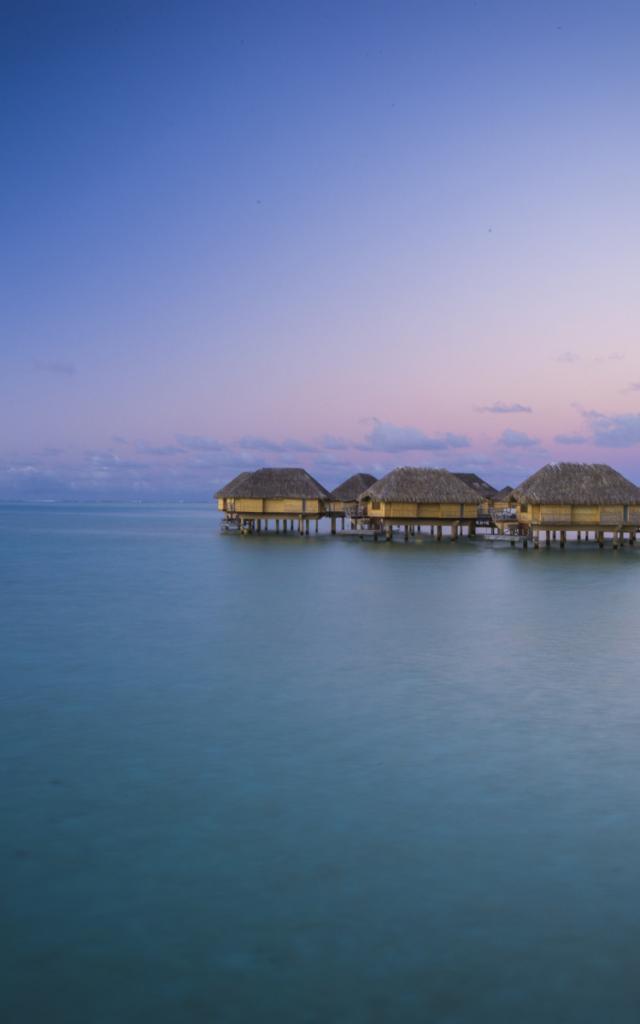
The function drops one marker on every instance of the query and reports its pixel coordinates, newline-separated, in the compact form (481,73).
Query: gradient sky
(341,235)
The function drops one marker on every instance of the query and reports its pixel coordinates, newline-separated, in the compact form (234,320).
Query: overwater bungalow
(343,501)
(484,490)
(502,511)
(503,500)
(579,497)
(414,497)
(226,495)
(291,498)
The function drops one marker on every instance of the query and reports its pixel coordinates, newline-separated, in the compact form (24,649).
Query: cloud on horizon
(265,444)
(198,443)
(101,475)
(570,439)
(517,439)
(192,466)
(505,407)
(386,437)
(622,431)
(151,449)
(332,443)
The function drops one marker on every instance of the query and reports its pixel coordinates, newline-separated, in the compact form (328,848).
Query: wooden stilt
(406,534)
(563,538)
(317,521)
(439,532)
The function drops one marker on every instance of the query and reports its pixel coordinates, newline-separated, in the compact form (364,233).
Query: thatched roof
(421,485)
(352,488)
(228,491)
(280,483)
(577,483)
(477,484)
(504,494)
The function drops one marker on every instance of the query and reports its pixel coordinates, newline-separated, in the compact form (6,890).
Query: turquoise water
(314,780)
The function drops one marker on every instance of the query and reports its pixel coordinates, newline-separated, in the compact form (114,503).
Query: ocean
(273,778)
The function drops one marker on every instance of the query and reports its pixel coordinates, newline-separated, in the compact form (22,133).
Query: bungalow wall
(275,507)
(422,510)
(579,516)
(500,505)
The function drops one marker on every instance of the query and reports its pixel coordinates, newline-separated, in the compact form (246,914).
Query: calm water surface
(314,780)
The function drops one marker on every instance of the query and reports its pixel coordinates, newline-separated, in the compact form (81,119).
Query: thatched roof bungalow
(343,500)
(504,493)
(484,490)
(573,495)
(408,495)
(225,496)
(279,494)
(477,484)
(503,499)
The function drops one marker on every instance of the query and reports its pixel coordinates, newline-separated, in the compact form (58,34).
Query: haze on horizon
(343,236)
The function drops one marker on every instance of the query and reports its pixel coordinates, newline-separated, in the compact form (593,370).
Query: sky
(341,235)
